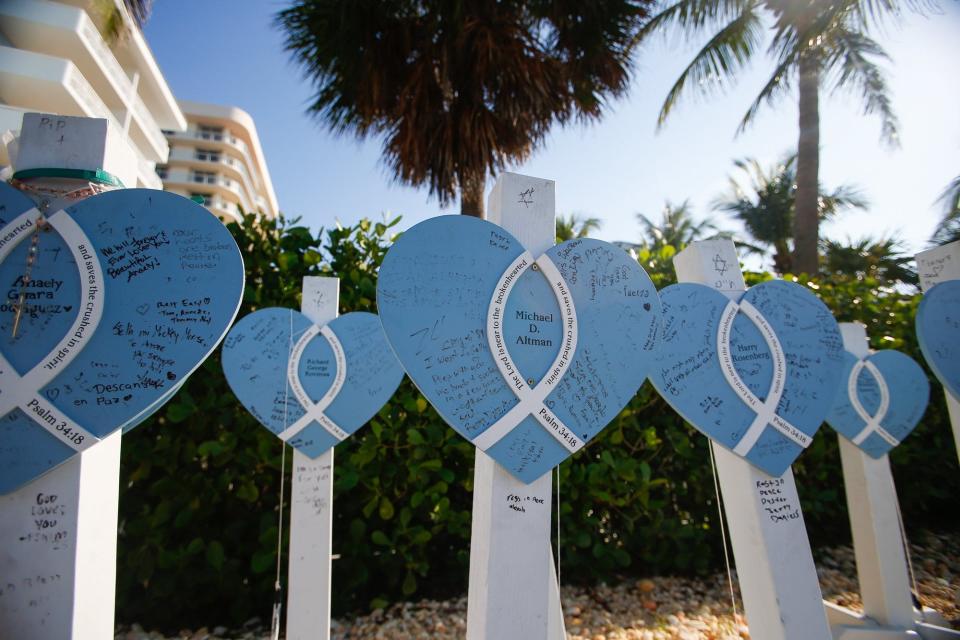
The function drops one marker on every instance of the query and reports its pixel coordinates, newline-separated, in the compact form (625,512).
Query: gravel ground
(656,608)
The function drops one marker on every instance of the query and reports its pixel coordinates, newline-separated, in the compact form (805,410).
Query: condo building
(218,158)
(60,57)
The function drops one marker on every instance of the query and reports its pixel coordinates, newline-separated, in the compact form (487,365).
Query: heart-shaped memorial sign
(108,305)
(312,386)
(527,357)
(882,401)
(758,375)
(938,331)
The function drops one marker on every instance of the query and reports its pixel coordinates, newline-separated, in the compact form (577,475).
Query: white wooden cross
(934,266)
(58,534)
(513,591)
(778,580)
(311,504)
(878,544)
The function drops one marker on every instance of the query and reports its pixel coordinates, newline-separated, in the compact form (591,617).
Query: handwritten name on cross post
(311,504)
(778,579)
(877,542)
(58,534)
(513,591)
(934,266)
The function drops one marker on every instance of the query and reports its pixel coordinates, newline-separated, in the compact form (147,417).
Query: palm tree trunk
(806,220)
(471,195)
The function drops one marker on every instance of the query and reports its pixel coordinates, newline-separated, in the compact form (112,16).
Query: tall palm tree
(457,90)
(948,229)
(677,227)
(883,259)
(572,226)
(816,44)
(766,205)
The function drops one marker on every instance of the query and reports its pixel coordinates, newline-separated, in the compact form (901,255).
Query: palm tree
(816,44)
(457,90)
(572,226)
(880,258)
(677,227)
(766,206)
(948,229)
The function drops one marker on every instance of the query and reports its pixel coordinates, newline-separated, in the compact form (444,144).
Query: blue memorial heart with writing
(881,399)
(938,331)
(528,357)
(757,376)
(108,305)
(312,386)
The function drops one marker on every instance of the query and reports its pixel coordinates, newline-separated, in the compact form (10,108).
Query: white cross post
(778,579)
(878,544)
(934,266)
(513,591)
(311,504)
(58,534)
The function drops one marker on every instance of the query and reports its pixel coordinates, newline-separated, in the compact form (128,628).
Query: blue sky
(228,52)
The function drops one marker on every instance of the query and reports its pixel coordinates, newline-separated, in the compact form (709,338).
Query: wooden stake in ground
(778,580)
(513,589)
(311,504)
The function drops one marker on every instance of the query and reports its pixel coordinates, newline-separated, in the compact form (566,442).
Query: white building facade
(218,157)
(57,57)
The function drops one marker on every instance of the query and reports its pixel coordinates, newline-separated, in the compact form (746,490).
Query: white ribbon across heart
(531,398)
(766,410)
(23,392)
(872,422)
(314,411)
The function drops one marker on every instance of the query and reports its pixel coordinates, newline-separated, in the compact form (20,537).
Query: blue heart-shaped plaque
(312,386)
(527,357)
(757,376)
(938,331)
(128,292)
(881,399)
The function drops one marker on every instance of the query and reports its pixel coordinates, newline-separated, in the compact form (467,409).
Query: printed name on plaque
(108,305)
(312,386)
(528,357)
(881,399)
(759,375)
(938,331)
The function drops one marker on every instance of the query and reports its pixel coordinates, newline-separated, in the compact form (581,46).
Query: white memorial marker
(513,590)
(311,504)
(877,541)
(934,266)
(778,579)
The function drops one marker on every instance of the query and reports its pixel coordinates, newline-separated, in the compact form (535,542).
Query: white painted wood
(58,534)
(50,141)
(58,549)
(778,580)
(512,591)
(872,504)
(311,505)
(936,265)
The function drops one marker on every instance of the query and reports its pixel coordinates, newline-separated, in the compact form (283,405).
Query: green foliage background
(200,480)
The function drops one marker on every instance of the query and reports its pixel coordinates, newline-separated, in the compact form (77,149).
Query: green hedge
(200,480)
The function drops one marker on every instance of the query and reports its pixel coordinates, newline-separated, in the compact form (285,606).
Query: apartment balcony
(222,141)
(227,189)
(65,32)
(49,84)
(232,167)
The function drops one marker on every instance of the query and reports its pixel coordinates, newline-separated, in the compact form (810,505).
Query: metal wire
(723,533)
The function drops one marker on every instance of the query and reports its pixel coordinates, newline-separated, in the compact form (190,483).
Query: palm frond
(948,229)
(718,61)
(778,84)
(850,53)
